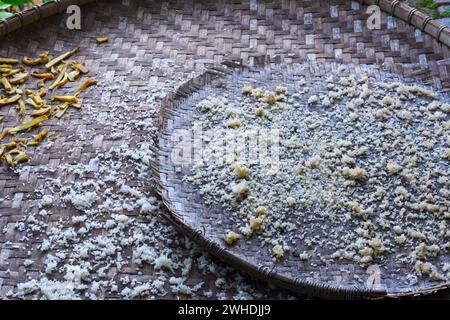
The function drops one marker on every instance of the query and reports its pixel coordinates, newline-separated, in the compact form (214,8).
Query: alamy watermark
(204,147)
(73,22)
(374,20)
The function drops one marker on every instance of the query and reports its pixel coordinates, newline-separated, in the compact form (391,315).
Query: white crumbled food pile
(363,171)
(111,241)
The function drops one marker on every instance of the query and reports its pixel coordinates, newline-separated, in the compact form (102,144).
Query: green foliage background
(430,8)
(9,6)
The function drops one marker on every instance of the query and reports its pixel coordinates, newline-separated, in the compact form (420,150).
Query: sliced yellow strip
(9,160)
(84,85)
(5,83)
(4,134)
(42,92)
(76,106)
(43,58)
(32,103)
(22,109)
(73,75)
(6,101)
(40,83)
(5,68)
(64,80)
(19,78)
(10,145)
(41,111)
(101,40)
(21,157)
(8,61)
(72,99)
(43,76)
(37,139)
(62,74)
(27,125)
(79,66)
(12,72)
(38,99)
(62,57)
(61,110)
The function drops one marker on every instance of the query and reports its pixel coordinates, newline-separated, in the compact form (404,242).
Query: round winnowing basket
(199,34)
(207,223)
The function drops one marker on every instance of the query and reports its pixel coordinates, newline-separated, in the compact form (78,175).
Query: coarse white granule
(28,262)
(45,201)
(163,261)
(81,201)
(49,289)
(313,99)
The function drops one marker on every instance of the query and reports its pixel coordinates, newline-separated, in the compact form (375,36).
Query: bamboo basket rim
(395,8)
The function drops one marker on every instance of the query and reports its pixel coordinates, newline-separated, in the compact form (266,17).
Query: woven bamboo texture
(199,35)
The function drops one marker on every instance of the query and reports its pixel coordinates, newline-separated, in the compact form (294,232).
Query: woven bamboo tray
(201,34)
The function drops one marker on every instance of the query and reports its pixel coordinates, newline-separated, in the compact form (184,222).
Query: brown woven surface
(196,34)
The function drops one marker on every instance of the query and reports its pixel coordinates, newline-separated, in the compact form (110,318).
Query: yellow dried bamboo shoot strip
(62,57)
(21,157)
(40,83)
(76,106)
(8,61)
(5,68)
(32,103)
(64,80)
(72,99)
(19,78)
(61,110)
(37,139)
(4,133)
(22,109)
(79,66)
(10,145)
(43,58)
(13,72)
(43,76)
(60,78)
(9,160)
(1,119)
(42,92)
(101,40)
(41,112)
(2,149)
(6,101)
(74,75)
(27,125)
(5,83)
(84,85)
(37,98)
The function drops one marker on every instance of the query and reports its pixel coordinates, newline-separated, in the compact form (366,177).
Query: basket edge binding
(413,17)
(394,7)
(36,13)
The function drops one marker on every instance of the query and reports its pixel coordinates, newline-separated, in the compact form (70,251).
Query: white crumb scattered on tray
(111,224)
